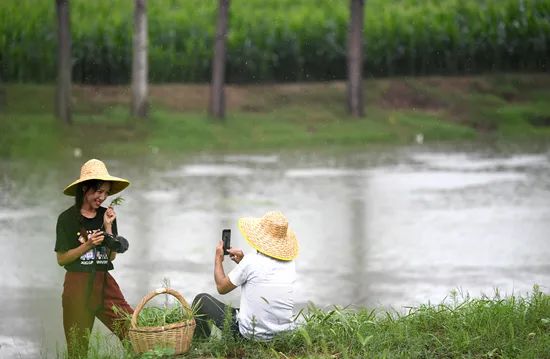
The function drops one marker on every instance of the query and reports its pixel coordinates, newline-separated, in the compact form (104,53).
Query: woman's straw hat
(96,170)
(270,235)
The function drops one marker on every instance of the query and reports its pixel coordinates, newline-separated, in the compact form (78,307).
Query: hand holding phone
(226,238)
(236,254)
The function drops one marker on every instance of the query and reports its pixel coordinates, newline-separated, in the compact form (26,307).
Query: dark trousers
(82,304)
(211,309)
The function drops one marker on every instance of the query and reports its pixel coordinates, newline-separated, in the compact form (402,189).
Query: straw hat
(270,235)
(96,170)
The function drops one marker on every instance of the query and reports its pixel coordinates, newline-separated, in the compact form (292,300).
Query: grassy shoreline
(485,327)
(511,107)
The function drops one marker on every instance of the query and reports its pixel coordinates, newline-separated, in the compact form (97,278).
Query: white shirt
(267,295)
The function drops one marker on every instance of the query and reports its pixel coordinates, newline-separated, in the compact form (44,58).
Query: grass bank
(462,327)
(266,117)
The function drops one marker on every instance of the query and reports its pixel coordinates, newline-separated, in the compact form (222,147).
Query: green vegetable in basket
(155,316)
(160,316)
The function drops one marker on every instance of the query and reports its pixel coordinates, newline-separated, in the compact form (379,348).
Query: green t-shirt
(68,237)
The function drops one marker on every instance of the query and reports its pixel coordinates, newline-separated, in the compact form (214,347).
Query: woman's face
(95,197)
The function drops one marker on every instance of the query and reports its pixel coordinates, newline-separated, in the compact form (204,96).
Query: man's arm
(223,284)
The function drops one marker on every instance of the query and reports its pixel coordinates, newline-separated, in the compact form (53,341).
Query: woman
(89,290)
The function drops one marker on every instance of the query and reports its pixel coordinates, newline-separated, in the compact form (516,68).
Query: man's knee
(199,300)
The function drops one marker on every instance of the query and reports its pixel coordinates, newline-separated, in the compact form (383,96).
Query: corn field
(277,40)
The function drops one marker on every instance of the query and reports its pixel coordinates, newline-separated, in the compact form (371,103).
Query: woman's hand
(108,218)
(235,254)
(91,241)
(95,239)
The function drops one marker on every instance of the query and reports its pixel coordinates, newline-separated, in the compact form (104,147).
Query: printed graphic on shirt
(98,254)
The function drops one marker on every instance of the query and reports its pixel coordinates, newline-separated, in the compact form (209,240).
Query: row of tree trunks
(140,105)
(355,61)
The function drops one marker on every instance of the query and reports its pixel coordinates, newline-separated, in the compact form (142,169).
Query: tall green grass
(461,327)
(278,40)
(508,327)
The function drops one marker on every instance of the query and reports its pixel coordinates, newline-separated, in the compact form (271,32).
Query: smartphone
(226,238)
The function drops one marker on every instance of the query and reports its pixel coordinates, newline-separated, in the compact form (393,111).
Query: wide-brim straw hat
(96,170)
(270,235)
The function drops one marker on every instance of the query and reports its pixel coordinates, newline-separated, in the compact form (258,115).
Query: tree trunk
(355,59)
(140,105)
(2,97)
(64,65)
(217,99)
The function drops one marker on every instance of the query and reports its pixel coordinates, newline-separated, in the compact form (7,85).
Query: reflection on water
(386,228)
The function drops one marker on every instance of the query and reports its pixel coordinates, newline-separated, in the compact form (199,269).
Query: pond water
(387,227)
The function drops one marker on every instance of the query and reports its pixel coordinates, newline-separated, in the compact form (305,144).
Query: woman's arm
(64,258)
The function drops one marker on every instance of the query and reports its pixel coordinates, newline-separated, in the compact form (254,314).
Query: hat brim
(117,184)
(255,236)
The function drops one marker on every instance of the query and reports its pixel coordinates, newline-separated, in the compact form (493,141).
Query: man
(266,278)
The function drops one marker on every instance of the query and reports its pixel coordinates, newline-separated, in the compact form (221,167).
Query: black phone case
(226,238)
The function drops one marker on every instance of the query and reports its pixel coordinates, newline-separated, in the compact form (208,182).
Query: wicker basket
(177,335)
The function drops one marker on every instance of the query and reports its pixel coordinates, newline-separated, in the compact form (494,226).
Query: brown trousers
(81,306)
